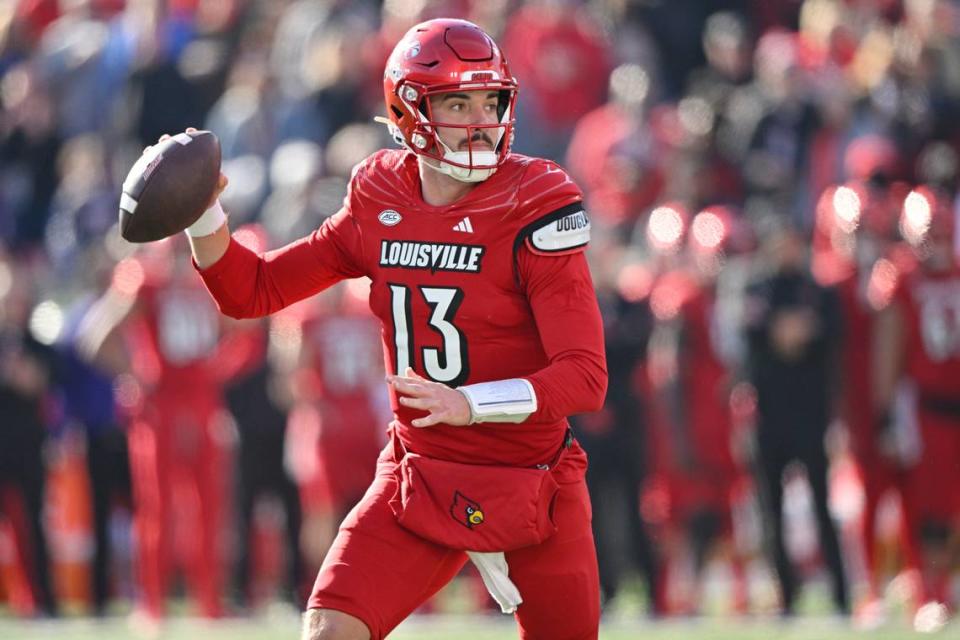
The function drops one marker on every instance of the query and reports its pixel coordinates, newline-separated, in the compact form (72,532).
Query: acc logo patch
(389,217)
(466,511)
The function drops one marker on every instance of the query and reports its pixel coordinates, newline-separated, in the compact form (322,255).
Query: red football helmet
(718,233)
(927,217)
(440,56)
(839,222)
(666,228)
(719,229)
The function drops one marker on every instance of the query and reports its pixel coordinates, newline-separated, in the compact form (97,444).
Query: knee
(328,624)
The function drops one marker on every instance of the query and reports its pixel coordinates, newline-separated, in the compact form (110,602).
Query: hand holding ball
(170,186)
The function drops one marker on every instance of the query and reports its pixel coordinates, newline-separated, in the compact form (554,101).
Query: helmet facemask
(470,164)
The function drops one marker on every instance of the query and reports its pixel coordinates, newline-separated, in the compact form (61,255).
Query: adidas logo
(464,226)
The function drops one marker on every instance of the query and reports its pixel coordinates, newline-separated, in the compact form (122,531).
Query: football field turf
(457,627)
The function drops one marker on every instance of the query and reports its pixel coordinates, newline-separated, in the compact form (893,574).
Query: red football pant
(177,471)
(379,572)
(933,499)
(879,477)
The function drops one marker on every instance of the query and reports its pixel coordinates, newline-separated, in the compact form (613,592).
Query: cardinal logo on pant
(466,511)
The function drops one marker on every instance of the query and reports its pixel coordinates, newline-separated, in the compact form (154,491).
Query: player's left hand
(442,404)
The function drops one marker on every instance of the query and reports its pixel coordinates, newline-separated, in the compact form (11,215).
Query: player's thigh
(378,571)
(937,468)
(558,579)
(150,468)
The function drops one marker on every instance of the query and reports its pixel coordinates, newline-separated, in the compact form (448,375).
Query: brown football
(170,186)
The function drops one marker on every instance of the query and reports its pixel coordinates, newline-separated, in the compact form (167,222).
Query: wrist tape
(211,220)
(510,400)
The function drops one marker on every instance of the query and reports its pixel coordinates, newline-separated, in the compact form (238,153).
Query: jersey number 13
(447,365)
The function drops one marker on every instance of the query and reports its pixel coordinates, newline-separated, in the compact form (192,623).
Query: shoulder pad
(382,161)
(565,230)
(381,175)
(545,187)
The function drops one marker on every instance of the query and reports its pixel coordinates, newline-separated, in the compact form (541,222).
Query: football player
(340,405)
(491,334)
(853,251)
(178,455)
(918,368)
(695,343)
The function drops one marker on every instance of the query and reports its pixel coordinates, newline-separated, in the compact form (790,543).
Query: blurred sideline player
(340,406)
(491,334)
(176,441)
(694,347)
(852,251)
(661,235)
(28,371)
(90,403)
(616,438)
(918,386)
(258,399)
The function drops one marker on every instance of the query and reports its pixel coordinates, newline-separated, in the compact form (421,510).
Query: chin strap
(463,174)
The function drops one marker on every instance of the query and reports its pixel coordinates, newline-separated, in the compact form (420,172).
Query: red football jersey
(345,356)
(707,385)
(493,286)
(931,304)
(175,339)
(346,365)
(692,358)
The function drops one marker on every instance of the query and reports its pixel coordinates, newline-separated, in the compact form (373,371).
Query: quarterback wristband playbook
(510,400)
(211,220)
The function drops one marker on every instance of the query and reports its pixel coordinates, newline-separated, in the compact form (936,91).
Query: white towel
(494,571)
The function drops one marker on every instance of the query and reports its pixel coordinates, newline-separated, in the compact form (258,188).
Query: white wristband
(211,220)
(510,400)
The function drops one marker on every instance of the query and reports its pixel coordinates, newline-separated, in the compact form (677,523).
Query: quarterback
(491,337)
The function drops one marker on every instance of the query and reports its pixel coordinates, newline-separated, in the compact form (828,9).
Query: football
(170,186)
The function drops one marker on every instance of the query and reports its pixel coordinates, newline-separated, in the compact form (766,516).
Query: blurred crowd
(772,187)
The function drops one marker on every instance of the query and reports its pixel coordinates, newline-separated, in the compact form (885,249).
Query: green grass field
(625,621)
(461,628)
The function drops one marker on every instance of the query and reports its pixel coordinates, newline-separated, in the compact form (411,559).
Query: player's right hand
(442,404)
(222,183)
(171,188)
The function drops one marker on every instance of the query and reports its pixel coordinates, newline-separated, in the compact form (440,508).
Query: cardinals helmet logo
(466,511)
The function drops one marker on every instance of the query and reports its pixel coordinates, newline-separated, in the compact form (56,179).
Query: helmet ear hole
(397,112)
